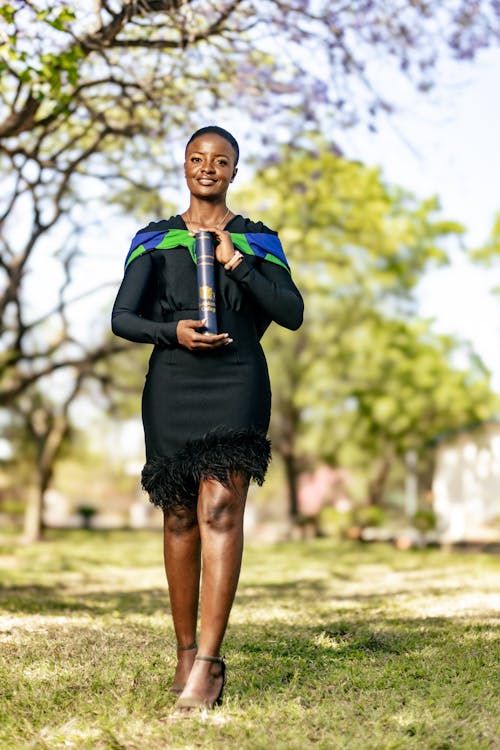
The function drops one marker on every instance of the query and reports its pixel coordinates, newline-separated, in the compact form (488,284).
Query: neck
(207,214)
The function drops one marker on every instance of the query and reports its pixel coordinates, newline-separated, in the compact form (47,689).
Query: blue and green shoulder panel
(259,244)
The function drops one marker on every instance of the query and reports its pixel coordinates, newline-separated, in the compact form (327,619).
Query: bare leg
(220,520)
(181,546)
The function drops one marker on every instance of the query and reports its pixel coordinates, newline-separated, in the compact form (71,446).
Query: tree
(42,428)
(93,103)
(45,427)
(364,380)
(489,252)
(97,93)
(406,390)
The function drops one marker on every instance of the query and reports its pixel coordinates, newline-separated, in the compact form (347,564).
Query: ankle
(190,647)
(214,666)
(211,659)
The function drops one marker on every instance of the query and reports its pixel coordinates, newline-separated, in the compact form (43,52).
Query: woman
(206,401)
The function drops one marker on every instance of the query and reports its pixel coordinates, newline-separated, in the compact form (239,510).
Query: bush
(87,512)
(369,515)
(425,520)
(333,522)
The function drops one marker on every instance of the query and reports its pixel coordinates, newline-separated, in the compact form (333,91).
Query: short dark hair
(222,133)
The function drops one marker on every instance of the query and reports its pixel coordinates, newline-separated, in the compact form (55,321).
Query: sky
(448,144)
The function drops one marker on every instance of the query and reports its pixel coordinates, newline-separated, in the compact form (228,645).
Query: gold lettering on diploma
(208,307)
(206,292)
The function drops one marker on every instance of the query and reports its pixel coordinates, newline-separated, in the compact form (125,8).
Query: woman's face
(209,166)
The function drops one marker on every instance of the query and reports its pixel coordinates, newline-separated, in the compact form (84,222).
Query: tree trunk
(376,487)
(291,475)
(33,516)
(48,446)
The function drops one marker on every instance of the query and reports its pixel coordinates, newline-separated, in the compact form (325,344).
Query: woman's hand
(189,337)
(224,248)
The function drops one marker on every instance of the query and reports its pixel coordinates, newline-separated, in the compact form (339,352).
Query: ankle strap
(212,659)
(187,648)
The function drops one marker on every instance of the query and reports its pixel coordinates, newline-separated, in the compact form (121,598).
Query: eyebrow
(205,152)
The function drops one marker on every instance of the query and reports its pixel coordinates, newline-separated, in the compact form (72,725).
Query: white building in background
(466,485)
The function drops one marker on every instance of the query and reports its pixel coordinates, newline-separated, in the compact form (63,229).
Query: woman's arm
(134,294)
(272,288)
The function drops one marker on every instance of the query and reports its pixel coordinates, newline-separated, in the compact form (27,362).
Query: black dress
(205,413)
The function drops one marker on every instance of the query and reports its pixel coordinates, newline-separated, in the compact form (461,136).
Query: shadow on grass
(50,599)
(92,599)
(307,590)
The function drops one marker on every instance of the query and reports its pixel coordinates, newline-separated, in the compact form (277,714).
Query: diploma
(205,274)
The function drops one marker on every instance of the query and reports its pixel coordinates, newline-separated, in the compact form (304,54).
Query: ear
(235,172)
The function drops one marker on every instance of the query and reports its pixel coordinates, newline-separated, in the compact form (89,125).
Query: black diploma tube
(205,273)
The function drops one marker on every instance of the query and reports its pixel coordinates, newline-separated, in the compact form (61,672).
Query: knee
(180,521)
(222,510)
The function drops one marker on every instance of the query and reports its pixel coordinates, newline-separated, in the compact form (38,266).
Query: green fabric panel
(176,237)
(278,262)
(272,259)
(138,251)
(181,237)
(240,241)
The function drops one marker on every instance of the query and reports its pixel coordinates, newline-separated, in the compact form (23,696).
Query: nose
(207,167)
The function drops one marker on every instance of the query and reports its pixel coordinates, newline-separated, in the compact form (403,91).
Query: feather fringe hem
(173,482)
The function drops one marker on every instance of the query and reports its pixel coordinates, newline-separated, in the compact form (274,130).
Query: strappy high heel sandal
(178,687)
(189,704)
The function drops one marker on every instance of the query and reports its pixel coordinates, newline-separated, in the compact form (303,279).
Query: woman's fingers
(224,248)
(189,336)
(210,341)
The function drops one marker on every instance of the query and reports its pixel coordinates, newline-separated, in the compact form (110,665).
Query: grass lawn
(331,645)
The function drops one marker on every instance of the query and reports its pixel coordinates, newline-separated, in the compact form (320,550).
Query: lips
(206,181)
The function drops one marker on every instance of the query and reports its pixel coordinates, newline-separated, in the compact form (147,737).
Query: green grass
(331,645)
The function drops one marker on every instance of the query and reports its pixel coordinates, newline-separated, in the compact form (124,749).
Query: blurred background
(369,139)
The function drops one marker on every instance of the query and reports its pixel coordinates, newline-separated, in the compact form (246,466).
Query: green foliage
(94,97)
(338,37)
(122,378)
(490,251)
(344,222)
(50,75)
(364,379)
(369,516)
(334,523)
(86,512)
(425,520)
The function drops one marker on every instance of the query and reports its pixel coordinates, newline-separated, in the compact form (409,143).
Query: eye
(222,162)
(195,158)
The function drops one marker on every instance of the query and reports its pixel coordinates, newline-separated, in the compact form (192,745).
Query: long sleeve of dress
(127,318)
(272,288)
